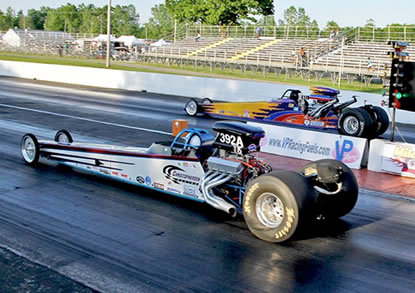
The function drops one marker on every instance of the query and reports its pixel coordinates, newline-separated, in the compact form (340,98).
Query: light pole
(108,32)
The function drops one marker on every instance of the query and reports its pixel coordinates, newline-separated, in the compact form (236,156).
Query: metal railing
(379,34)
(368,33)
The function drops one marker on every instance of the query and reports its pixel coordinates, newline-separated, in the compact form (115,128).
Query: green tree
(54,21)
(88,21)
(3,25)
(292,16)
(331,25)
(218,12)
(161,23)
(21,19)
(36,18)
(267,20)
(70,16)
(124,20)
(370,23)
(10,18)
(302,18)
(300,24)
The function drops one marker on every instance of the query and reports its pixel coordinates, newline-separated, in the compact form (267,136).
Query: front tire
(277,204)
(191,107)
(63,136)
(206,101)
(355,122)
(336,186)
(30,149)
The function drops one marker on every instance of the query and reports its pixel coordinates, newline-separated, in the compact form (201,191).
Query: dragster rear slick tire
(277,204)
(355,122)
(325,174)
(380,117)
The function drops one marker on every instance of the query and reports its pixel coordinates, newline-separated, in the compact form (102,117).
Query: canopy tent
(130,41)
(104,38)
(159,43)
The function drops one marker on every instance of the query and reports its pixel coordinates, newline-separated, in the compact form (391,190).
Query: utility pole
(175,30)
(108,33)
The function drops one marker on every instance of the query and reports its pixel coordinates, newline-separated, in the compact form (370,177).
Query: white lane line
(85,119)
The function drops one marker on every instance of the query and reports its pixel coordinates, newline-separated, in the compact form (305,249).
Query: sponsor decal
(317,123)
(114,173)
(345,151)
(148,180)
(189,190)
(88,167)
(290,105)
(124,175)
(105,171)
(174,190)
(158,185)
(252,147)
(178,175)
(306,122)
(404,158)
(287,143)
(140,179)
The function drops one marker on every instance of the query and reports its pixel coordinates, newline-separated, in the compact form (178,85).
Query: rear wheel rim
(28,149)
(269,210)
(191,108)
(351,124)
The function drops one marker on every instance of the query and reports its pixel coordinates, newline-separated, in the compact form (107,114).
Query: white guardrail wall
(313,145)
(180,85)
(392,157)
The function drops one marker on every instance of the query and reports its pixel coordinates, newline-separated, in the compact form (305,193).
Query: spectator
(258,31)
(60,50)
(303,57)
(332,34)
(197,37)
(294,57)
(337,32)
(369,64)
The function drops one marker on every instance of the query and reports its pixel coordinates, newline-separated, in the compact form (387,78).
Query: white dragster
(220,171)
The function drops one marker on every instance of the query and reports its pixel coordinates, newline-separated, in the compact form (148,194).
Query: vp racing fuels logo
(178,175)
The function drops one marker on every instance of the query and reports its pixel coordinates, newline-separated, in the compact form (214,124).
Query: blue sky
(344,12)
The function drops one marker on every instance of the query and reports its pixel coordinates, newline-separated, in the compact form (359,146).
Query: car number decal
(233,140)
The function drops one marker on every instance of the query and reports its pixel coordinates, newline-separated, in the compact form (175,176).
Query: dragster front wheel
(191,107)
(63,136)
(30,149)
